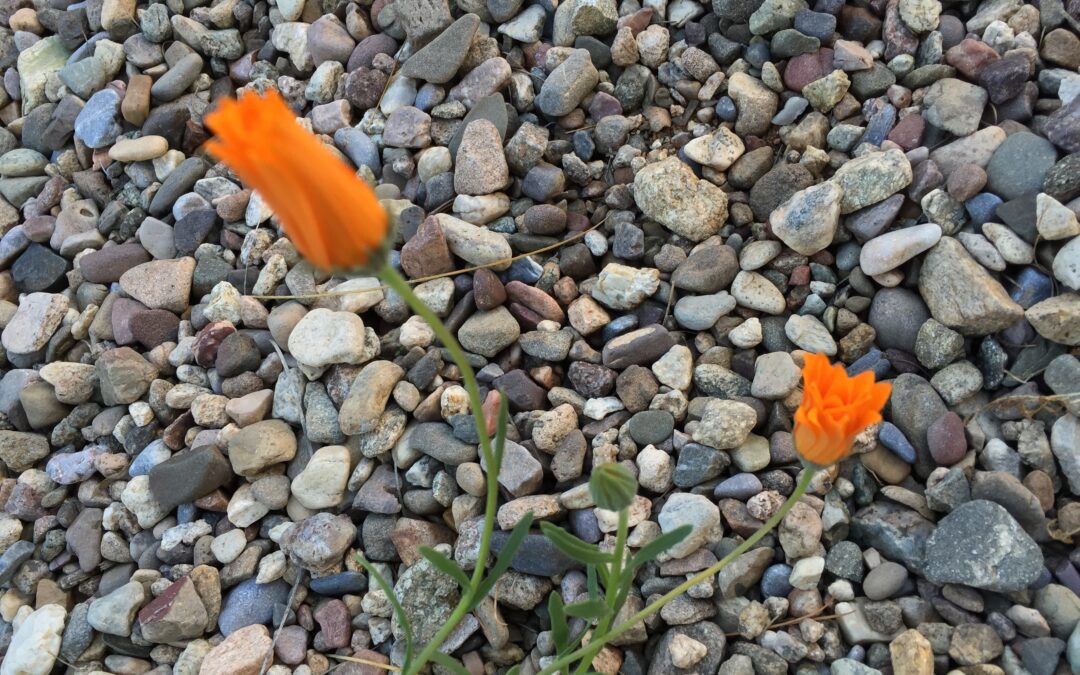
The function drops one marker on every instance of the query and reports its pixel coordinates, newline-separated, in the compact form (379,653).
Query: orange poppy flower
(330,214)
(835,409)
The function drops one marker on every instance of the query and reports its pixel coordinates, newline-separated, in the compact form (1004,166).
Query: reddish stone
(427,253)
(908,132)
(805,68)
(174,434)
(800,276)
(966,181)
(291,645)
(209,339)
(488,290)
(335,622)
(409,534)
(356,668)
(946,440)
(536,300)
(638,21)
(899,39)
(122,319)
(970,56)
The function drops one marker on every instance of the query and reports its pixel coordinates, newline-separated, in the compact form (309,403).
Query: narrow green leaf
(657,546)
(505,557)
(449,662)
(445,565)
(612,486)
(500,427)
(593,610)
(560,632)
(399,611)
(590,582)
(579,550)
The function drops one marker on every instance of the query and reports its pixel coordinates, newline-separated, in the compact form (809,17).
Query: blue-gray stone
(525,270)
(13,558)
(615,328)
(794,107)
(980,545)
(775,581)
(359,148)
(895,440)
(96,124)
(881,122)
(725,109)
(698,463)
(340,584)
(152,455)
(899,533)
(982,207)
(536,555)
(584,524)
(873,361)
(251,603)
(741,486)
(1032,286)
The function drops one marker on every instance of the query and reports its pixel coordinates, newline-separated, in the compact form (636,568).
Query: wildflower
(331,215)
(835,408)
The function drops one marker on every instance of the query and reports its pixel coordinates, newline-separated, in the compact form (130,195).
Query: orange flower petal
(333,217)
(835,409)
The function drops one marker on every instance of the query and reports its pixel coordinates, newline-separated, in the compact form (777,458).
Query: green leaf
(399,611)
(612,486)
(445,565)
(560,632)
(505,557)
(657,546)
(590,582)
(593,610)
(584,552)
(449,662)
(500,427)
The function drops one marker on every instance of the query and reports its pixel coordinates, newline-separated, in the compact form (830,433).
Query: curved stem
(398,284)
(589,651)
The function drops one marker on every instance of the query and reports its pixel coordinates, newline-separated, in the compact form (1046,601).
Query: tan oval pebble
(139,149)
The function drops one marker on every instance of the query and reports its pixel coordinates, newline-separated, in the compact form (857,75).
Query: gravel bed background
(185,467)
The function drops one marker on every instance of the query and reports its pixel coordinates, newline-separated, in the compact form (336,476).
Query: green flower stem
(398,284)
(612,592)
(589,651)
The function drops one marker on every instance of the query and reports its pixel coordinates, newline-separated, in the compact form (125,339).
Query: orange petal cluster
(835,409)
(332,216)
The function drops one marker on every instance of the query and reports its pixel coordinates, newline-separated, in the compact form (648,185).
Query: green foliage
(612,487)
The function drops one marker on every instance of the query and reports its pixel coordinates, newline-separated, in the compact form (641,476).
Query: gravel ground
(718,188)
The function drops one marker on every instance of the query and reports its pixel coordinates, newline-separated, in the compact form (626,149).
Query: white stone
(753,291)
(655,469)
(698,511)
(675,368)
(1009,244)
(806,573)
(321,484)
(808,333)
(1067,264)
(35,642)
(891,250)
(717,150)
(1053,219)
(599,408)
(807,221)
(359,295)
(325,337)
(701,312)
(747,334)
(622,287)
(228,547)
